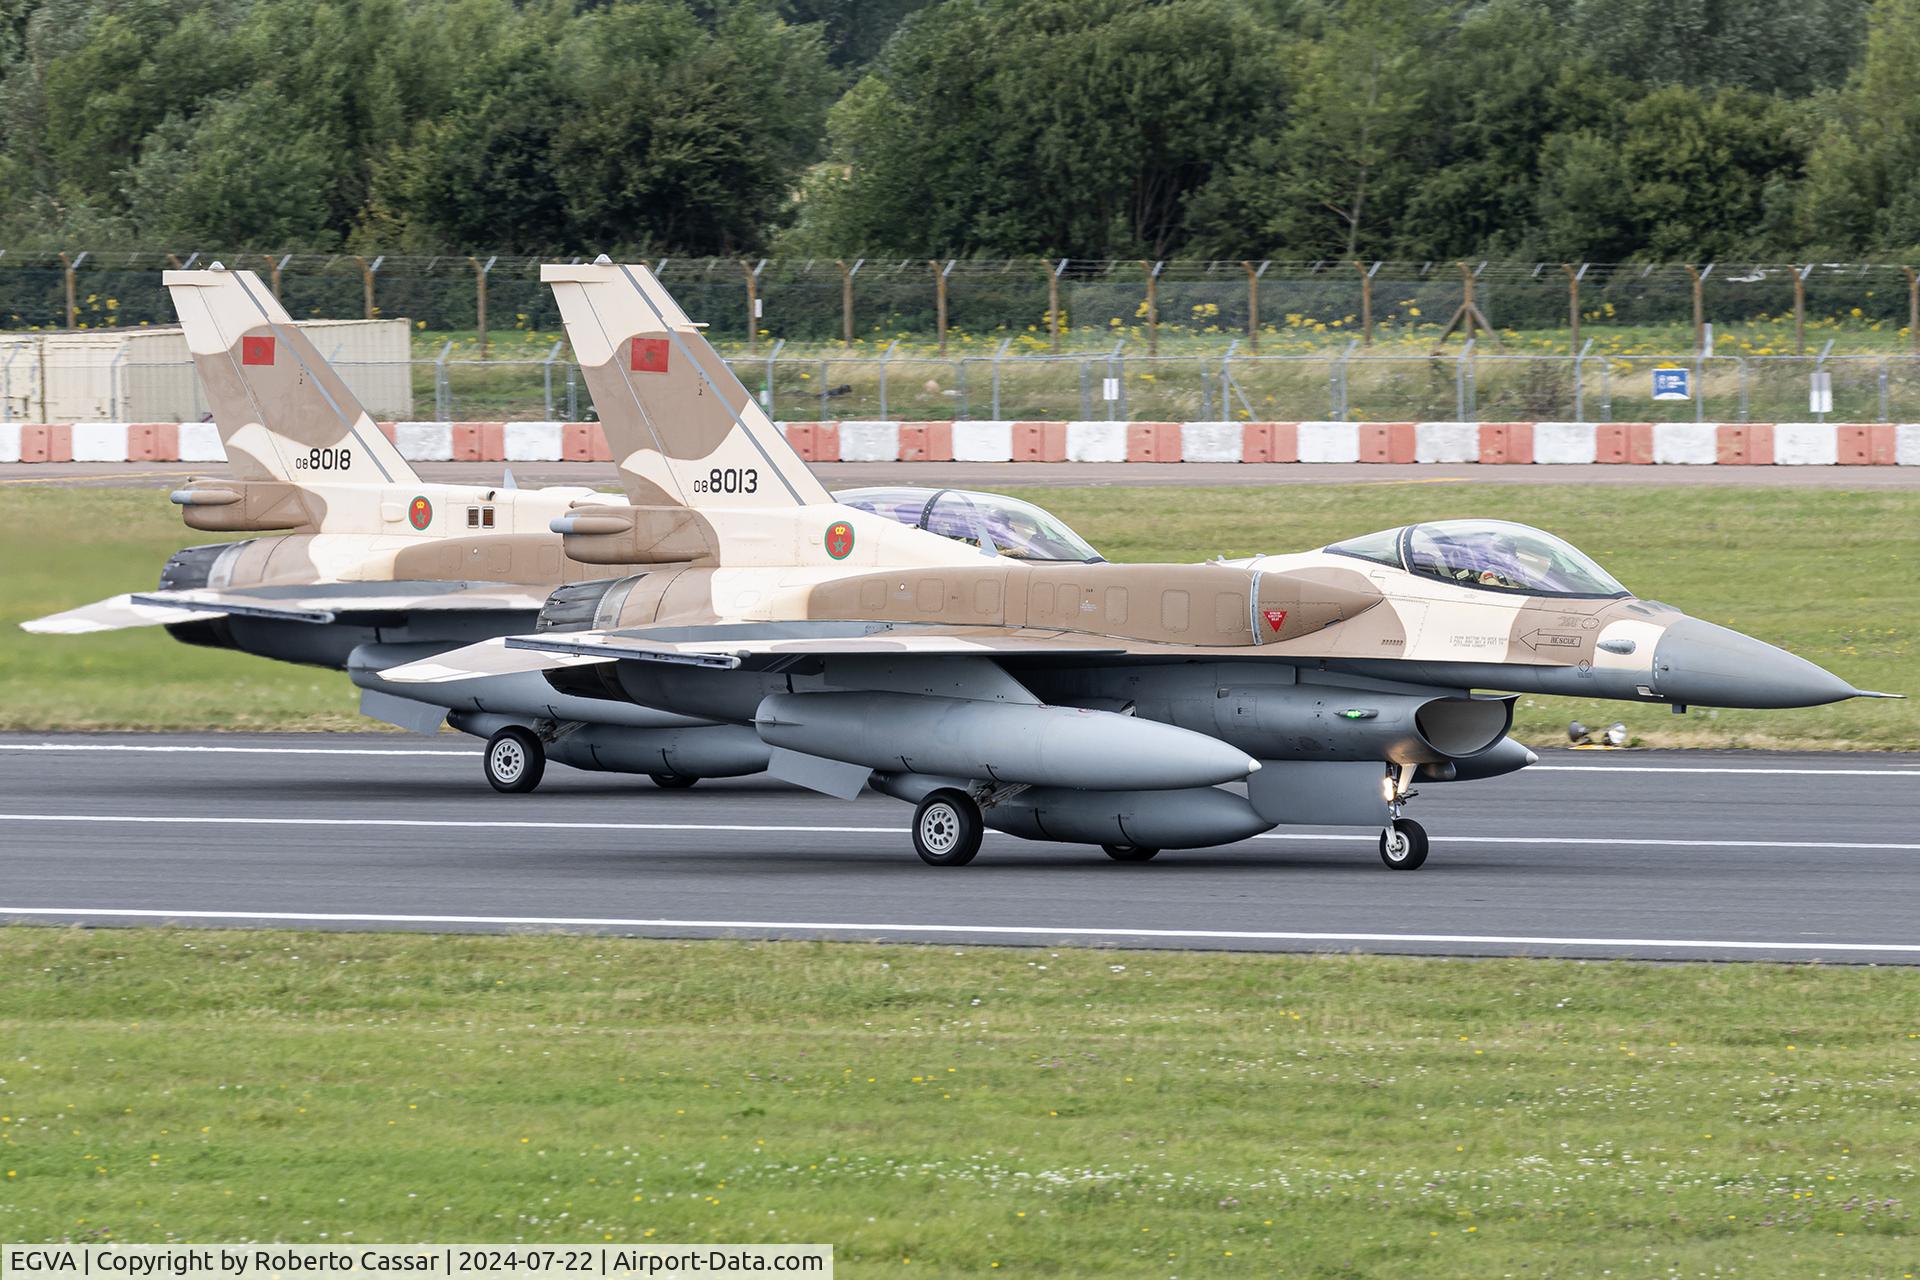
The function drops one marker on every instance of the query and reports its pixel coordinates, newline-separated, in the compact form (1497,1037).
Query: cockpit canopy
(995,523)
(1488,555)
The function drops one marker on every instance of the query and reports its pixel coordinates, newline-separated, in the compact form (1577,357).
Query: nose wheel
(1403,845)
(514,760)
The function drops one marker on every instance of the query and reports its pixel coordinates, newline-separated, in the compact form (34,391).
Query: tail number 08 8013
(729,480)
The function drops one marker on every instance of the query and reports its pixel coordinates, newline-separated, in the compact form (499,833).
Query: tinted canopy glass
(1490,555)
(991,521)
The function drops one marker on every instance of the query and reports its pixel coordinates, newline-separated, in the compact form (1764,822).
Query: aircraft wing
(728,646)
(304,602)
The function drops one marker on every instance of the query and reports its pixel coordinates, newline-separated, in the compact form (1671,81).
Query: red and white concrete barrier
(1486,443)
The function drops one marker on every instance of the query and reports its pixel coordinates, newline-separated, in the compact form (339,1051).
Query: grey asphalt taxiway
(1659,855)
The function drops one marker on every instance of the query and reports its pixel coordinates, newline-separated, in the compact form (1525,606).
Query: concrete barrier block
(153,441)
(1868,444)
(1153,442)
(1744,444)
(926,442)
(424,441)
(1687,444)
(1212,441)
(479,441)
(1328,442)
(1387,442)
(1503,443)
(531,441)
(200,442)
(1039,442)
(1805,444)
(983,442)
(1906,449)
(99,442)
(1564,443)
(46,442)
(1096,442)
(9,442)
(869,441)
(1446,442)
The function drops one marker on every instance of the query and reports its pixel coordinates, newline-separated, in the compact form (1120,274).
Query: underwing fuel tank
(1195,818)
(707,751)
(998,741)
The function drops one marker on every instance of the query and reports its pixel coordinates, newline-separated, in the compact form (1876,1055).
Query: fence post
(1053,302)
(73,311)
(1339,388)
(940,301)
(546,377)
(1226,379)
(6,383)
(1460,381)
(366,281)
(113,381)
(1253,301)
(1117,370)
(1884,417)
(1820,363)
(1800,308)
(1573,304)
(752,273)
(1366,300)
(1913,308)
(766,397)
(1579,372)
(884,357)
(480,272)
(846,298)
(996,377)
(442,397)
(1153,305)
(1699,307)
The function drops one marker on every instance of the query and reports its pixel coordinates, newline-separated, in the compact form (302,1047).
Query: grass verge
(960,1111)
(1831,575)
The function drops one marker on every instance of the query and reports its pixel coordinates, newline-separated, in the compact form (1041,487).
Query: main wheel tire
(947,828)
(672,781)
(514,760)
(1129,852)
(1403,846)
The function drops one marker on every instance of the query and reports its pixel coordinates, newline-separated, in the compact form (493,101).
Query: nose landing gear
(1403,844)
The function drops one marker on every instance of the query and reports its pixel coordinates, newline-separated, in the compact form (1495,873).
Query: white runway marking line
(1025,931)
(256,751)
(465,755)
(528,825)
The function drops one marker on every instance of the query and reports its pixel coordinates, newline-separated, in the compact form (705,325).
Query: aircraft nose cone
(1698,662)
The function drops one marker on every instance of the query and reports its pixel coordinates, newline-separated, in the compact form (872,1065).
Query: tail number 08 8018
(729,480)
(324,460)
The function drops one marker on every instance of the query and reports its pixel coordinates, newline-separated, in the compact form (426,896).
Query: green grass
(1058,1113)
(1831,575)
(1406,375)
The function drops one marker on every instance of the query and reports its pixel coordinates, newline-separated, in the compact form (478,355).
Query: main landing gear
(514,760)
(947,828)
(1129,852)
(1403,844)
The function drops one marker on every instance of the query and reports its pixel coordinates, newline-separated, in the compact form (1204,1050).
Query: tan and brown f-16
(1004,676)
(364,565)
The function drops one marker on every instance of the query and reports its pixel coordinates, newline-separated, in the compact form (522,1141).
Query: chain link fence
(1470,384)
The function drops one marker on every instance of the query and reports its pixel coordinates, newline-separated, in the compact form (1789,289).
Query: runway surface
(1663,855)
(1010,475)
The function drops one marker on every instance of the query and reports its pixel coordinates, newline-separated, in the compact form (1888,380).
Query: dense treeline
(1559,129)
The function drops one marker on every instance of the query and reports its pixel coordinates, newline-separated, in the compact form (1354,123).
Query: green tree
(1063,127)
(1863,186)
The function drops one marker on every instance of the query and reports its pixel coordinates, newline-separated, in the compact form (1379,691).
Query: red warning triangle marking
(1275,617)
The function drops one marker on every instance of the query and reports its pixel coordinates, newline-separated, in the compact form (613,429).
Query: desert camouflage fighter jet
(1010,679)
(368,567)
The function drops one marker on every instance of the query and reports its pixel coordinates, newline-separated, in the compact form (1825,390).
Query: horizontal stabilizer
(116,613)
(488,658)
(305,602)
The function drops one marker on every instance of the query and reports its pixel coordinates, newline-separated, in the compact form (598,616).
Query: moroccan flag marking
(256,350)
(839,540)
(649,355)
(420,513)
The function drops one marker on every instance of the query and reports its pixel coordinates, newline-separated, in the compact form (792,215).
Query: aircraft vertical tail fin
(683,429)
(282,412)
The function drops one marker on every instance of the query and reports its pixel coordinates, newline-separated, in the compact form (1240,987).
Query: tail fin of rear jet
(683,429)
(282,412)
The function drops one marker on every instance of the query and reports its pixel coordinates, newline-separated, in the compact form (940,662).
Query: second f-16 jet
(994,672)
